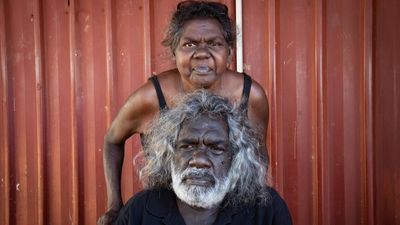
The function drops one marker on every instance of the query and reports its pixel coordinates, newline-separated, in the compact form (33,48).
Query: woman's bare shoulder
(258,92)
(231,85)
(171,85)
(258,106)
(134,115)
(168,75)
(233,76)
(258,101)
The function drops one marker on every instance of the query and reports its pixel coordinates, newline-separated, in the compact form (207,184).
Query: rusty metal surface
(386,118)
(330,69)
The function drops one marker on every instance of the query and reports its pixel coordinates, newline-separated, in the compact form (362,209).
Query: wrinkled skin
(202,143)
(202,59)
(202,55)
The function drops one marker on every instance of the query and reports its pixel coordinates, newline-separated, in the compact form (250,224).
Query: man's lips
(198,180)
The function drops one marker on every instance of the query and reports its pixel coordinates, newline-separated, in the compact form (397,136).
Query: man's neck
(197,216)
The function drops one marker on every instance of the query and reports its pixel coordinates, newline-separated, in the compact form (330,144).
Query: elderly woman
(201,37)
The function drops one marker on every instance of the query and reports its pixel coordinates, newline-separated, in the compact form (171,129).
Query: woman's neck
(215,88)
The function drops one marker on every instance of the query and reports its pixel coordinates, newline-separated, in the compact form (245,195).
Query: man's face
(202,161)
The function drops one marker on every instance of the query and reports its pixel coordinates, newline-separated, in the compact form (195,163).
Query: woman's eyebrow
(191,38)
(188,39)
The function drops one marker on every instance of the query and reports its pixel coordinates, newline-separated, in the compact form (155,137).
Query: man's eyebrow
(213,141)
(216,141)
(188,140)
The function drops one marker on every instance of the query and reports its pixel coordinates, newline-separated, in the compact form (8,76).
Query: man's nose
(200,159)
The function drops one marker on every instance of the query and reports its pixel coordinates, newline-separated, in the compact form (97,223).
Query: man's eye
(217,150)
(186,147)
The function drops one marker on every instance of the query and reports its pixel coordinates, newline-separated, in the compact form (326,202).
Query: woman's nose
(200,159)
(202,51)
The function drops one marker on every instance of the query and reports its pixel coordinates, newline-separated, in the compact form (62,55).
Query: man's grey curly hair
(249,162)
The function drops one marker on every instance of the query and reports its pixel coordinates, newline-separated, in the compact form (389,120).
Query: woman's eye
(214,44)
(189,45)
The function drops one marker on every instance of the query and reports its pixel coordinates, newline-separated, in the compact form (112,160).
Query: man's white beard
(199,196)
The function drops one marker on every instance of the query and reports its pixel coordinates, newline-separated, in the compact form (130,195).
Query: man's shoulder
(148,195)
(147,205)
(271,210)
(156,201)
(138,198)
(275,210)
(271,198)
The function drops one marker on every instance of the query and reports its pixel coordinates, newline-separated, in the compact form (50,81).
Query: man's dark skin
(202,58)
(202,143)
(204,164)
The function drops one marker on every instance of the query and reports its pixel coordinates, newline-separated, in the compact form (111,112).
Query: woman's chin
(203,80)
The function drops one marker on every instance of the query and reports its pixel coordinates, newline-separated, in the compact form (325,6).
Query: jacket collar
(162,203)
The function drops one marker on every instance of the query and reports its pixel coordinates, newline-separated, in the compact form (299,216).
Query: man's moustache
(198,173)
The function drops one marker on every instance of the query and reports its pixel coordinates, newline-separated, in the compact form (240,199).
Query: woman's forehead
(203,23)
(202,29)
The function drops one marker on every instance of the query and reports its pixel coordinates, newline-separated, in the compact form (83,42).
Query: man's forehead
(205,122)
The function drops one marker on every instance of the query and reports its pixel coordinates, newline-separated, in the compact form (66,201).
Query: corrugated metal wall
(330,68)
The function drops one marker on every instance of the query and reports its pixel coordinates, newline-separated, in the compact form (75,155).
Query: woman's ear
(230,57)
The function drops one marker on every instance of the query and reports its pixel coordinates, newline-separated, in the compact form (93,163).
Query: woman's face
(202,54)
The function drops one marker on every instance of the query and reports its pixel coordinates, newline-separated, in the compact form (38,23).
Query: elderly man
(204,165)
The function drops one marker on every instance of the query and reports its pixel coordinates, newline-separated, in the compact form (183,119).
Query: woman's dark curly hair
(190,10)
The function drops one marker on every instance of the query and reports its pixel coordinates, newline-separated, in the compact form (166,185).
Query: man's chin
(199,196)
(198,188)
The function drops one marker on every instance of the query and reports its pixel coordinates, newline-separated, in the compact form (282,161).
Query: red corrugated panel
(330,69)
(4,125)
(386,85)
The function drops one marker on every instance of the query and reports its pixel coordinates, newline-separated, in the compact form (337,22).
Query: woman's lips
(201,69)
